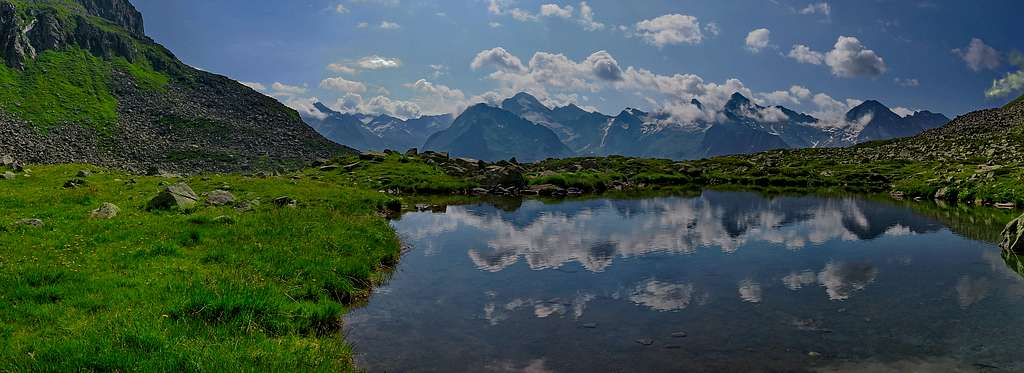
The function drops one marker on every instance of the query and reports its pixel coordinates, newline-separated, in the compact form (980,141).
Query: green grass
(406,175)
(58,87)
(179,290)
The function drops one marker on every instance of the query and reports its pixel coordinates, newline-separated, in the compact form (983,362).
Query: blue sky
(408,57)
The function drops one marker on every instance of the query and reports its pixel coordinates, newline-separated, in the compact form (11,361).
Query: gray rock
(74,183)
(220,198)
(34,223)
(6,161)
(942,193)
(679,335)
(1013,236)
(106,211)
(330,167)
(645,341)
(285,201)
(179,196)
(412,152)
(7,175)
(245,206)
(84,173)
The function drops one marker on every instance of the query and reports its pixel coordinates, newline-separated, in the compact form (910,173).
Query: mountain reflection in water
(721,282)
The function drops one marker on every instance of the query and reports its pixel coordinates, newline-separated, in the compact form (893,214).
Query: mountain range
(524,128)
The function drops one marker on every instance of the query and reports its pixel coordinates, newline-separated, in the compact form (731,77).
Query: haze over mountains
(524,128)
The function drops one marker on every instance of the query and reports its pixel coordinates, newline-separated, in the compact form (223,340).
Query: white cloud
(758,40)
(800,92)
(439,98)
(1011,83)
(554,10)
(522,15)
(712,29)
(903,112)
(259,87)
(604,66)
(498,57)
(387,25)
(305,106)
(353,102)
(362,25)
(438,70)
(817,8)
(494,24)
(670,29)
(587,18)
(390,3)
(342,68)
(284,90)
(849,58)
(341,9)
(906,82)
(804,54)
(979,56)
(343,85)
(378,63)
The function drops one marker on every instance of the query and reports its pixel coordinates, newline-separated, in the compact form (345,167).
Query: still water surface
(719,282)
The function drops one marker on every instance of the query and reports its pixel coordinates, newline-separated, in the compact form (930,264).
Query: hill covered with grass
(80,82)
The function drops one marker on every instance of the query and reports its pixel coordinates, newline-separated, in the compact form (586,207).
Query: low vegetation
(207,288)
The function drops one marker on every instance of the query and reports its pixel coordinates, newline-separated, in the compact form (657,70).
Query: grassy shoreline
(216,288)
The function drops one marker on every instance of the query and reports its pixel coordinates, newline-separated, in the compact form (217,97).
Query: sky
(408,58)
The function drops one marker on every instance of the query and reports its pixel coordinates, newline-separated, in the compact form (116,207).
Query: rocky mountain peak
(873,108)
(524,102)
(737,102)
(119,12)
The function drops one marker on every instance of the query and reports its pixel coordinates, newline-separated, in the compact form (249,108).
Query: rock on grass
(179,196)
(106,211)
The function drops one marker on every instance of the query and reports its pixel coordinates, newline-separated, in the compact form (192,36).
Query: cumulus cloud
(378,63)
(362,25)
(712,29)
(804,54)
(342,68)
(849,58)
(902,111)
(1011,83)
(284,90)
(554,10)
(305,106)
(259,87)
(604,66)
(979,56)
(817,8)
(341,9)
(758,40)
(906,82)
(439,98)
(343,85)
(388,25)
(353,102)
(498,57)
(670,29)
(587,18)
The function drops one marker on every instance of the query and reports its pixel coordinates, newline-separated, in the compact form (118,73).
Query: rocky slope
(84,84)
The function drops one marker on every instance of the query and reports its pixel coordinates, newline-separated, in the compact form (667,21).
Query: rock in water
(220,198)
(1013,236)
(106,211)
(179,195)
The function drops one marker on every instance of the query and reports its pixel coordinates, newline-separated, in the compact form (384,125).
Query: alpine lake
(713,281)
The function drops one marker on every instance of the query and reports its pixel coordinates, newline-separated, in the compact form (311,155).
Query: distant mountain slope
(880,123)
(82,83)
(489,133)
(376,132)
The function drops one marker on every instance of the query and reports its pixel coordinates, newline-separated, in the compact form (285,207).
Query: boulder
(34,223)
(1013,236)
(245,206)
(509,176)
(74,183)
(106,211)
(330,167)
(84,173)
(942,193)
(179,196)
(412,152)
(545,190)
(220,198)
(285,201)
(224,219)
(6,161)
(7,175)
